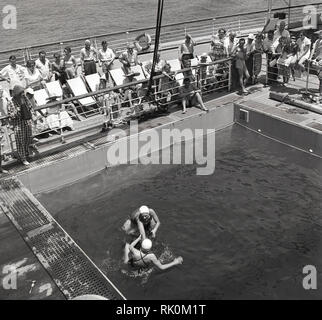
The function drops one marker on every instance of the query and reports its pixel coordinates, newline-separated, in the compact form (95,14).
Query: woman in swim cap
(144,258)
(143,221)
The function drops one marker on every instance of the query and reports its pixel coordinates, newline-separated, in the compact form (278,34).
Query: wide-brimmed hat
(318,32)
(17,90)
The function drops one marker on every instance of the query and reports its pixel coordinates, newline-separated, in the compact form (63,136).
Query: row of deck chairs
(84,85)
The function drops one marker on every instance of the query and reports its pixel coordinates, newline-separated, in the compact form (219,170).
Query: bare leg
(184,106)
(200,101)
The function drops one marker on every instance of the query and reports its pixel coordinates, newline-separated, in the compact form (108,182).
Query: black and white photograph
(160,150)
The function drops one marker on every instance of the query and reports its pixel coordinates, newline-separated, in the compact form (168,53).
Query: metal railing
(115,106)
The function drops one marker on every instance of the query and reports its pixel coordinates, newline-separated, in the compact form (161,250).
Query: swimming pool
(245,232)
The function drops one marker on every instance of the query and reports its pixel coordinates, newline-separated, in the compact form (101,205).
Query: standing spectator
(22,122)
(70,63)
(281,32)
(285,59)
(190,96)
(270,51)
(240,62)
(186,50)
(304,53)
(58,68)
(4,101)
(317,47)
(44,66)
(129,58)
(33,76)
(258,53)
(88,56)
(316,56)
(230,43)
(106,56)
(14,74)
(218,51)
(250,49)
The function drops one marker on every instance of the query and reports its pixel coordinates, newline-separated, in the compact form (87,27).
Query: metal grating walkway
(69,267)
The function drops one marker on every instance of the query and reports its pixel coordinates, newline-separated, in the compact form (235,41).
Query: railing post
(229,76)
(61,48)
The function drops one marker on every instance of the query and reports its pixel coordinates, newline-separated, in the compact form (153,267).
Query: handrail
(153,27)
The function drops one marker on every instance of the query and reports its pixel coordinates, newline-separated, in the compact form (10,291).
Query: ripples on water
(245,232)
(43,21)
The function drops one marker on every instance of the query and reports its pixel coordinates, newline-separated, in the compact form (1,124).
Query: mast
(157,42)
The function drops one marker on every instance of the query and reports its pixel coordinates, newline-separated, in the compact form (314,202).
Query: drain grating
(72,271)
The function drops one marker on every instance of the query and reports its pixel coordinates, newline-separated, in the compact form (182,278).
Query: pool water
(245,232)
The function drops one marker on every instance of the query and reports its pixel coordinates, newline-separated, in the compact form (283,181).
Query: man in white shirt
(44,66)
(14,73)
(88,56)
(230,43)
(304,44)
(106,57)
(281,32)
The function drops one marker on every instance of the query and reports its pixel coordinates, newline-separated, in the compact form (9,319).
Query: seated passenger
(158,66)
(129,58)
(70,63)
(142,221)
(33,76)
(57,117)
(190,96)
(144,258)
(168,85)
(131,92)
(304,53)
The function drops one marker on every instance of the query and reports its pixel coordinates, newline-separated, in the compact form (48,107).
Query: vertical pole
(229,76)
(289,13)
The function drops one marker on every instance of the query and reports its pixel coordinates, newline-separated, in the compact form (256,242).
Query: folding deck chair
(93,81)
(176,66)
(78,87)
(118,76)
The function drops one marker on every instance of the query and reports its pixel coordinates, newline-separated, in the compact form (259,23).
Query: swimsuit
(133,262)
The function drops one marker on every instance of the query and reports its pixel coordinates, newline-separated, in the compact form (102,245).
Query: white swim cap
(144,210)
(146,245)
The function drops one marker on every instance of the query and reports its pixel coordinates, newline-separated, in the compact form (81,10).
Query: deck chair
(138,69)
(78,87)
(54,89)
(118,76)
(93,81)
(175,65)
(41,97)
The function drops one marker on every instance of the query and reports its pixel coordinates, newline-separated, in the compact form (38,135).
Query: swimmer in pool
(144,222)
(144,258)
